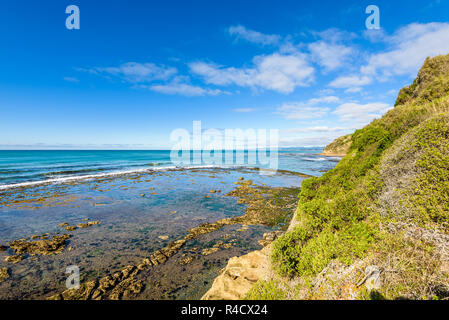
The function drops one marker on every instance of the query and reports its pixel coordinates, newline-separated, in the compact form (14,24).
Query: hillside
(377,225)
(339,147)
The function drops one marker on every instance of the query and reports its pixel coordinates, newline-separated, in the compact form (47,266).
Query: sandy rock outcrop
(239,275)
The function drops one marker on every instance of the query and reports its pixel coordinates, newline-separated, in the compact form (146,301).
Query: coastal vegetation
(385,204)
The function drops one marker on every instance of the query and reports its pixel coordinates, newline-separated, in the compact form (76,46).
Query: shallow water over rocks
(138,215)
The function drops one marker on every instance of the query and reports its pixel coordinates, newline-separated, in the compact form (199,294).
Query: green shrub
(265,290)
(336,211)
(429,194)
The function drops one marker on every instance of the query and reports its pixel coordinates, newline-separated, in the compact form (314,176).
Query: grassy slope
(339,147)
(393,181)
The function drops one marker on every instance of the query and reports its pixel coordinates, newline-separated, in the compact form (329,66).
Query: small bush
(265,290)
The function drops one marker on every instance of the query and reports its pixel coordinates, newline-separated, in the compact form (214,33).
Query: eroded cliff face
(339,147)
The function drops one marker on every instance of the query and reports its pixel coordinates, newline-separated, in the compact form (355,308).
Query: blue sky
(137,70)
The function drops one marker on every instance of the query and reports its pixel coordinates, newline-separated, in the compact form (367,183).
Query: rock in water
(14,258)
(4,274)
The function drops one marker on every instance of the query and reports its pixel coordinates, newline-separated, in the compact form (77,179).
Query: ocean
(140,202)
(22,168)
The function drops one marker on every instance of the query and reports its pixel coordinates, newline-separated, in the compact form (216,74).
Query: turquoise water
(22,167)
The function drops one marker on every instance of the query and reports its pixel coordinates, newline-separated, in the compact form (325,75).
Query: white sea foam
(314,159)
(61,180)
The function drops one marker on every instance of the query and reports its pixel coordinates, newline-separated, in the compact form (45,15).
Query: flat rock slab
(239,275)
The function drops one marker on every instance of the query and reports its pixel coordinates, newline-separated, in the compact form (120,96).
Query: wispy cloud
(406,49)
(318,129)
(277,72)
(334,35)
(240,32)
(306,110)
(361,114)
(409,47)
(333,50)
(295,139)
(244,110)
(71,79)
(350,81)
(353,90)
(375,35)
(157,78)
(181,88)
(331,56)
(135,72)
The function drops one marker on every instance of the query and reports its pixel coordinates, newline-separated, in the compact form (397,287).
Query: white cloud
(277,72)
(326,91)
(311,136)
(330,55)
(306,110)
(318,129)
(350,81)
(335,35)
(181,87)
(353,90)
(409,47)
(392,92)
(71,79)
(217,75)
(244,110)
(375,35)
(361,114)
(184,89)
(240,32)
(299,111)
(137,72)
(144,75)
(293,138)
(327,99)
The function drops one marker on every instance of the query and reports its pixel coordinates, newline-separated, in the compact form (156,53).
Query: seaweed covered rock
(4,274)
(14,258)
(44,247)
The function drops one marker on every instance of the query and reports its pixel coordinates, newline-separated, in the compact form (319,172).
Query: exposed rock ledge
(239,275)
